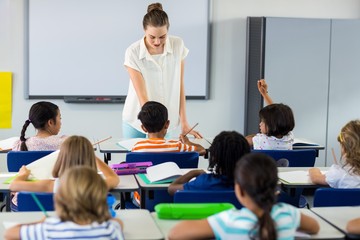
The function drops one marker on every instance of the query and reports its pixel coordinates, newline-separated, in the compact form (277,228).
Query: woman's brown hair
(155,16)
(74,151)
(81,197)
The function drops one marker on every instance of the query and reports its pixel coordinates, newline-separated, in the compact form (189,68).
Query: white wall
(224,110)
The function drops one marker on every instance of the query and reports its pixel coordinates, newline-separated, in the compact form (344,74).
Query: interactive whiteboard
(76,48)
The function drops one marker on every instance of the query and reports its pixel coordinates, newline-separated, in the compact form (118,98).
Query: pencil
(191,129)
(102,140)
(37,201)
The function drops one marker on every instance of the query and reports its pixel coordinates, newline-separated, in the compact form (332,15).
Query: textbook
(7,144)
(164,172)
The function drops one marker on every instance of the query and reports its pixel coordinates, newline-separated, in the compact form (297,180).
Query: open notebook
(296,177)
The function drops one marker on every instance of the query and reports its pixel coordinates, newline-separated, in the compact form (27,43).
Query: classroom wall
(225,108)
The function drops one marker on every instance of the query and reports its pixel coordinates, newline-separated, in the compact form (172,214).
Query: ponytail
(23,146)
(266,225)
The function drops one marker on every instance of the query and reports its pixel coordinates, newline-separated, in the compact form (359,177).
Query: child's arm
(317,177)
(263,89)
(178,184)
(20,183)
(192,229)
(111,178)
(119,221)
(353,226)
(200,149)
(308,224)
(249,139)
(13,233)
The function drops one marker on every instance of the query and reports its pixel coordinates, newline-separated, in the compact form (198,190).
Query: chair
(182,159)
(27,203)
(219,196)
(332,197)
(16,159)
(296,158)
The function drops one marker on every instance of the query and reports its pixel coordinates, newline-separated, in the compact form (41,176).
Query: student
(75,151)
(353,226)
(346,175)
(226,149)
(81,208)
(261,217)
(155,122)
(276,124)
(46,119)
(155,64)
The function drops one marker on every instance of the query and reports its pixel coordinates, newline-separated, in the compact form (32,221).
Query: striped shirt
(237,224)
(161,145)
(54,228)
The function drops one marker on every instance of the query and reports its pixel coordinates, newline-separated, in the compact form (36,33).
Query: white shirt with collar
(162,76)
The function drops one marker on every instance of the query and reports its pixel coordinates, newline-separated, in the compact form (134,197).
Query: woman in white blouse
(155,65)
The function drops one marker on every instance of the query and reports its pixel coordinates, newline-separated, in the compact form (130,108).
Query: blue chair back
(182,159)
(16,159)
(219,196)
(27,203)
(332,197)
(296,158)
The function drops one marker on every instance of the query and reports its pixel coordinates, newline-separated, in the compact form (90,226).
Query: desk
(294,189)
(316,147)
(133,220)
(127,184)
(338,216)
(110,146)
(326,230)
(146,188)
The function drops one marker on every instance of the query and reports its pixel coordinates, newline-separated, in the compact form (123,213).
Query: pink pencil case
(130,168)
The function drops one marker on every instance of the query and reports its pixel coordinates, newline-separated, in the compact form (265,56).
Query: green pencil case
(190,210)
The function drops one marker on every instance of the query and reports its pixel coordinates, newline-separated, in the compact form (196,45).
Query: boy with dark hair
(155,122)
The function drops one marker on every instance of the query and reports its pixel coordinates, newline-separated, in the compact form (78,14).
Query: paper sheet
(42,168)
(5,99)
(8,143)
(301,177)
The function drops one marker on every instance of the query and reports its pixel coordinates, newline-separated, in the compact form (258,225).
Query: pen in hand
(191,129)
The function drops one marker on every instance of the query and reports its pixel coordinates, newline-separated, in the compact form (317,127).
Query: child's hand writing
(24,172)
(184,139)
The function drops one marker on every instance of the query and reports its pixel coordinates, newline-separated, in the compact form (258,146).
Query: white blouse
(162,77)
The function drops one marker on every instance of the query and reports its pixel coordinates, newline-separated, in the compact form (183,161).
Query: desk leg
(107,157)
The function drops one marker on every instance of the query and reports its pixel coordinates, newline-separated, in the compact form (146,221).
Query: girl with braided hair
(46,119)
(260,218)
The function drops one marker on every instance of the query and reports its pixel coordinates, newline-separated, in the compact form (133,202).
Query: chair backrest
(26,202)
(195,196)
(182,159)
(332,197)
(15,159)
(296,158)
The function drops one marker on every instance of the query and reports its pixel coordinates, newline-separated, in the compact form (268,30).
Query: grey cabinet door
(297,71)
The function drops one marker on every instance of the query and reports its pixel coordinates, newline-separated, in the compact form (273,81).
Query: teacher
(155,65)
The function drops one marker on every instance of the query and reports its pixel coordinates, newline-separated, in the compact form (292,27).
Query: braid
(256,175)
(23,146)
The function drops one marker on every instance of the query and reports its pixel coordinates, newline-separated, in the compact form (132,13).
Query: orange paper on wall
(5,99)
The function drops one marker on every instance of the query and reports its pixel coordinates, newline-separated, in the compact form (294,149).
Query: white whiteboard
(76,47)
